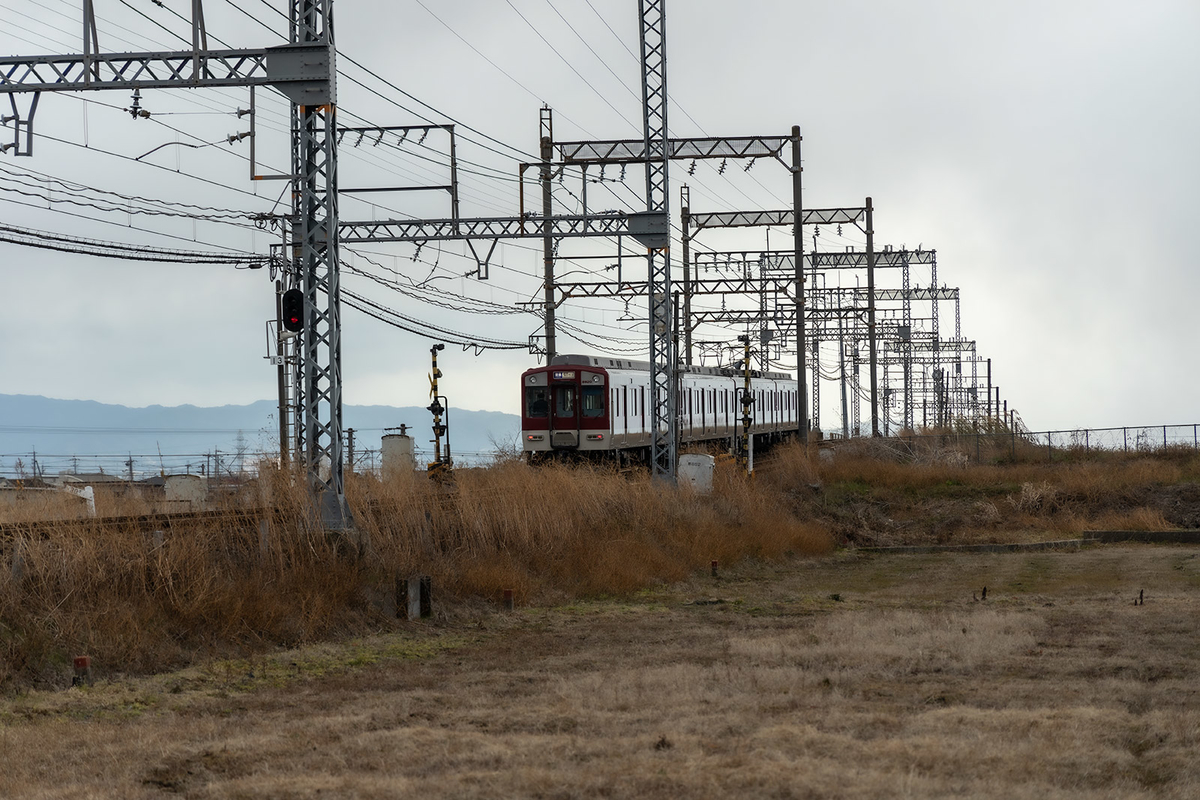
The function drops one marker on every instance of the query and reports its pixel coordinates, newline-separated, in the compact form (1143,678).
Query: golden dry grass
(847,676)
(870,494)
(137,602)
(206,590)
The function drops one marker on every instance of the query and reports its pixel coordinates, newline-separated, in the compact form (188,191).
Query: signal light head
(293,310)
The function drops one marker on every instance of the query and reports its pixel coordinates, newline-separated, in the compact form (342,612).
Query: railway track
(135,522)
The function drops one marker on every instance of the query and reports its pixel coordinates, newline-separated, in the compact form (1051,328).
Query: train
(599,407)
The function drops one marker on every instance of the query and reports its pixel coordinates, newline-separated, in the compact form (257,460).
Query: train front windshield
(536,402)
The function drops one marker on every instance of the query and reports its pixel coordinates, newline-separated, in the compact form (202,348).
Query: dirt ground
(849,676)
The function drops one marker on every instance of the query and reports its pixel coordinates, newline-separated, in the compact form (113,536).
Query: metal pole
(453,174)
(656,143)
(315,189)
(547,142)
(685,220)
(842,363)
(281,377)
(798,255)
(989,389)
(871,332)
(747,403)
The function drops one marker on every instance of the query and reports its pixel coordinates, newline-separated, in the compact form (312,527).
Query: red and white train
(591,405)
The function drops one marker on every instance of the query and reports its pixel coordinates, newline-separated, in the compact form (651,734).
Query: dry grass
(552,534)
(1056,686)
(872,494)
(139,603)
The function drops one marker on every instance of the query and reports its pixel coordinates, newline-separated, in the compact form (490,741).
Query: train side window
(625,404)
(536,403)
(642,404)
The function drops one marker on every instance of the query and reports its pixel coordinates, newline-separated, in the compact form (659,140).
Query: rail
(142,522)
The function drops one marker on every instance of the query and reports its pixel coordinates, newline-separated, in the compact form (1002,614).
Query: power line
(30,237)
(570,66)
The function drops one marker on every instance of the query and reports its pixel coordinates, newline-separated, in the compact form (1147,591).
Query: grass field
(837,676)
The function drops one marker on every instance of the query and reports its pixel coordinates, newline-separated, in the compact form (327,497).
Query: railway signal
(440,467)
(293,310)
(746,445)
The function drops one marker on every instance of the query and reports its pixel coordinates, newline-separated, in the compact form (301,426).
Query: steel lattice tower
(315,239)
(303,70)
(658,260)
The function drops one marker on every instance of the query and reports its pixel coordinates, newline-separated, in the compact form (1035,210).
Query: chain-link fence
(1046,445)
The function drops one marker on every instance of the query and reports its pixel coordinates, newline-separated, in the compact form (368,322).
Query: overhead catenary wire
(426,329)
(77,244)
(182,38)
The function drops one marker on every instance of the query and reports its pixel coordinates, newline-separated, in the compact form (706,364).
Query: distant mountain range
(86,436)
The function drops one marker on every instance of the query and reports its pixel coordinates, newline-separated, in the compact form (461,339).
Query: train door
(624,409)
(564,417)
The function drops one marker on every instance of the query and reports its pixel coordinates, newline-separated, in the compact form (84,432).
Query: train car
(598,407)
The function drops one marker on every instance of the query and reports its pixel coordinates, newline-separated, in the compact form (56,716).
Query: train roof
(625,363)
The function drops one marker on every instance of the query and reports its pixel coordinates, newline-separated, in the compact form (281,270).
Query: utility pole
(871,332)
(989,390)
(285,444)
(350,450)
(547,153)
(798,254)
(685,224)
(656,147)
(842,365)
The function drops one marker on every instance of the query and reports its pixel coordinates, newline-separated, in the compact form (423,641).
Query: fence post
(1125,436)
(1195,441)
(1049,447)
(1164,437)
(1086,441)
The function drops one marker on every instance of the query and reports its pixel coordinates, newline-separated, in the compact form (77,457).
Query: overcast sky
(1046,150)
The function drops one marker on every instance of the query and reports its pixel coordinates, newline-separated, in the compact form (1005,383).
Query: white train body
(588,404)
